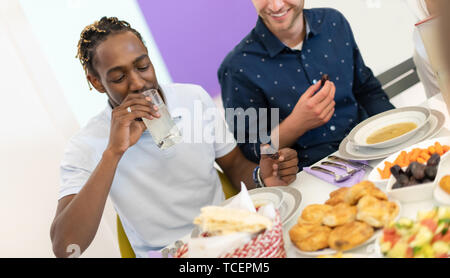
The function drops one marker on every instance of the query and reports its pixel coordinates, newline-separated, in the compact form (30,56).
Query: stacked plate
(391,131)
(286,199)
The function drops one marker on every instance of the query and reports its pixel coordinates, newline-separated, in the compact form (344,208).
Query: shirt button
(332,128)
(305,156)
(314,81)
(324,134)
(330,147)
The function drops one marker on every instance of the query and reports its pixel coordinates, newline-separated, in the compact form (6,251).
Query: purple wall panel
(195,36)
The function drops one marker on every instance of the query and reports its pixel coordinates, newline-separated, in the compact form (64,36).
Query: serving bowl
(414,114)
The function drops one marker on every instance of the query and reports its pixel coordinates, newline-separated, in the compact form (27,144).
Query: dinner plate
(374,175)
(291,203)
(262,196)
(328,251)
(414,114)
(349,151)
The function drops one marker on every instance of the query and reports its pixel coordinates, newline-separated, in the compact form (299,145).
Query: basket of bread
(350,218)
(236,230)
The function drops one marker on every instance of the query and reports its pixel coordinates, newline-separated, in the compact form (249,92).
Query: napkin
(214,247)
(356,178)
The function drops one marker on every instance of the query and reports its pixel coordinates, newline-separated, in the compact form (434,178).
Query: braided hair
(92,35)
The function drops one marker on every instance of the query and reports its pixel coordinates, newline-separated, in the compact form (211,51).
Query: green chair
(126,251)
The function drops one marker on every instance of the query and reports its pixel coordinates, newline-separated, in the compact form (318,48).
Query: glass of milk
(163,129)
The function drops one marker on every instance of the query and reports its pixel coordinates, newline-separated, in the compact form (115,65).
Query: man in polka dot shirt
(278,65)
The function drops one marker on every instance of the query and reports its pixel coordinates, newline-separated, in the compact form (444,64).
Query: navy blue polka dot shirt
(262,72)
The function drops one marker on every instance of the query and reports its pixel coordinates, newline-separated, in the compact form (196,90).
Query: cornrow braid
(92,35)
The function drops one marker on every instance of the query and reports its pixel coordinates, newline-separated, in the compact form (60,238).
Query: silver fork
(351,163)
(337,178)
(349,170)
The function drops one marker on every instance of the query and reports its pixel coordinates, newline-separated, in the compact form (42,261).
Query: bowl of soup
(390,128)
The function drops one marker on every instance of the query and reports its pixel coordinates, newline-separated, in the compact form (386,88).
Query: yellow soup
(390,132)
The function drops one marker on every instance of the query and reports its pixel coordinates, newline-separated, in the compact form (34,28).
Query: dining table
(316,191)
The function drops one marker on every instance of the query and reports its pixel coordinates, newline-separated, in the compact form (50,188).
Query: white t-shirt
(157,193)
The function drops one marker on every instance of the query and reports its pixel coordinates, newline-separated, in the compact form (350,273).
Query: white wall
(58,24)
(383,29)
(36,123)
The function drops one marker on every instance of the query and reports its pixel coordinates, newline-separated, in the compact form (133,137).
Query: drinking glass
(163,129)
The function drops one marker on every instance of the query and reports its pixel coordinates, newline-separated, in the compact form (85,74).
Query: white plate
(329,251)
(291,203)
(434,125)
(262,196)
(375,177)
(440,195)
(415,114)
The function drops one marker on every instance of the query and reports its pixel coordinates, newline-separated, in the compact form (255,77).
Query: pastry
(310,237)
(349,235)
(341,214)
(361,189)
(315,213)
(375,212)
(337,196)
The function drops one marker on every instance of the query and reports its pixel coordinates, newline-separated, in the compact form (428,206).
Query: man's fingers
(323,93)
(139,104)
(140,125)
(311,90)
(327,109)
(329,115)
(288,171)
(287,164)
(137,101)
(134,115)
(289,179)
(287,154)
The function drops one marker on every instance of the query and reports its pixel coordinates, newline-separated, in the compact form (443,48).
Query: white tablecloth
(316,191)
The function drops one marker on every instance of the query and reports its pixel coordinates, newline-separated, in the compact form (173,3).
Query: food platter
(374,175)
(351,218)
(329,251)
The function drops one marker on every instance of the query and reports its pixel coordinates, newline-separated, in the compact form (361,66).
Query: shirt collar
(273,45)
